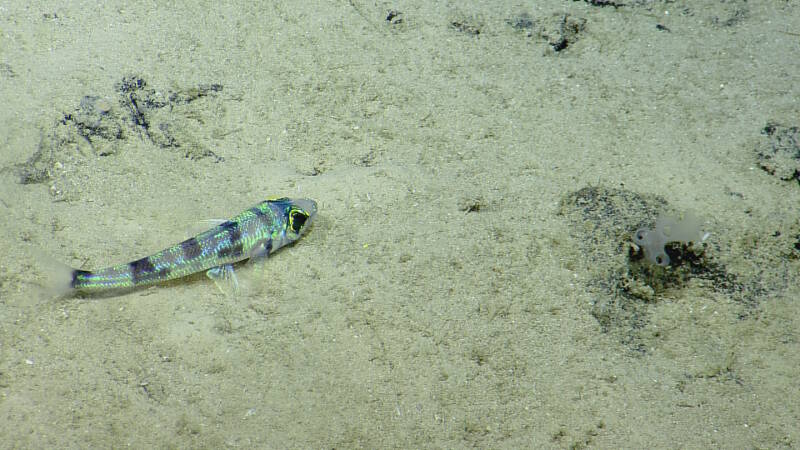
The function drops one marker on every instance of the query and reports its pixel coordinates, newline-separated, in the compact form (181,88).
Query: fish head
(297,215)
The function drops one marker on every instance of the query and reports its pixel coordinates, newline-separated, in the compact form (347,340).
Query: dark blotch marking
(234,249)
(264,251)
(76,277)
(191,248)
(257,211)
(233,230)
(143,269)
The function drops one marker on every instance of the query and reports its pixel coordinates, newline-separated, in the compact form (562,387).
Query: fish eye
(297,219)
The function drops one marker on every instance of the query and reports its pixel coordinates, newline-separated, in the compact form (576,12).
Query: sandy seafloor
(469,280)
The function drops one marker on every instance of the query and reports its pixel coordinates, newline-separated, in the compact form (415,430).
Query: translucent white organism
(688,230)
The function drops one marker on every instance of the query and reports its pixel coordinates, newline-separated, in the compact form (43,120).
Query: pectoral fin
(224,278)
(261,251)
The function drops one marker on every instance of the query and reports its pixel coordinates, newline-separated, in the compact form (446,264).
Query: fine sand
(470,280)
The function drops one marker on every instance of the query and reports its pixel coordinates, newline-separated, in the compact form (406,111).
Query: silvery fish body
(255,233)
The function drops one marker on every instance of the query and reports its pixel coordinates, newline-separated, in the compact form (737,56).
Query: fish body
(254,233)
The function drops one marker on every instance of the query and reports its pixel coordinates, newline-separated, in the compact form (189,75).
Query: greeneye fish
(254,233)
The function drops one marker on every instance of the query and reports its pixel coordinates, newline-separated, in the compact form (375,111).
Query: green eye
(297,219)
